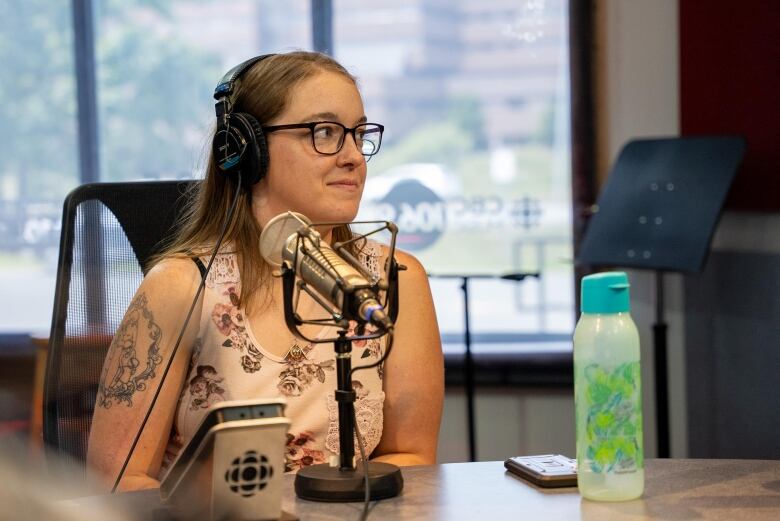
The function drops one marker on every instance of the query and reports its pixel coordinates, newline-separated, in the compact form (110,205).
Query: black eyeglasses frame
(311,126)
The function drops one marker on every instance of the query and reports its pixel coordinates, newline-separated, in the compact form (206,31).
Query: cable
(381,360)
(181,333)
(366,481)
(390,330)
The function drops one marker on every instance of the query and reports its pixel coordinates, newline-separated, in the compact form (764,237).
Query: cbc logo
(249,473)
(419,213)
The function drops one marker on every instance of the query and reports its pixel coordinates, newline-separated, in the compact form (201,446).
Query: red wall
(730,84)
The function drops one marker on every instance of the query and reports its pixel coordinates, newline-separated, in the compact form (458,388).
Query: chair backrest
(109,233)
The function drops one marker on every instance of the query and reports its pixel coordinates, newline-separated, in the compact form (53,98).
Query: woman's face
(323,188)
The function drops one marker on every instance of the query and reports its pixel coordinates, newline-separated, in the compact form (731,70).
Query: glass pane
(474,166)
(158,64)
(40,160)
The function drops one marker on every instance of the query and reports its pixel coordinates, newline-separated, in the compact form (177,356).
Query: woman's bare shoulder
(410,261)
(175,272)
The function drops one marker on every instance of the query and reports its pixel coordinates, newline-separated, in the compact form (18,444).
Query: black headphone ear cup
(227,146)
(259,151)
(240,144)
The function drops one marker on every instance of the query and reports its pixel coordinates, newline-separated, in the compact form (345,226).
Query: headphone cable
(202,284)
(366,481)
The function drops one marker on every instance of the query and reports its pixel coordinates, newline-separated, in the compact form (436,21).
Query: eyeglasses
(327,137)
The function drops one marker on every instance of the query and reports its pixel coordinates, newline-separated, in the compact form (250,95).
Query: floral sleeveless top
(228,363)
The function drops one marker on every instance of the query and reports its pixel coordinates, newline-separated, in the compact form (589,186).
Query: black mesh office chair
(109,232)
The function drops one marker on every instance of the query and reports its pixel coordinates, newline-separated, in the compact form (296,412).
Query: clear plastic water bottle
(607,392)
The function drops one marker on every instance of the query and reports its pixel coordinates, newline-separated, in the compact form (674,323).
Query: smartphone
(217,414)
(546,470)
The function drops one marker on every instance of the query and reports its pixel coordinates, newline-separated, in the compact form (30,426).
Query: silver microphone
(320,267)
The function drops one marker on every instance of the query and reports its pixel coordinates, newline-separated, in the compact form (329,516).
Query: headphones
(239,143)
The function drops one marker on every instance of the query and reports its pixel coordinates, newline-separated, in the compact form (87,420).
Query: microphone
(289,238)
(339,283)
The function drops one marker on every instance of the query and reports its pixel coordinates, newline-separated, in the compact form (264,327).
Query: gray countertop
(675,490)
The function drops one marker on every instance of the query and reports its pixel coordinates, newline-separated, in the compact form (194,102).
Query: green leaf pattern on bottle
(614,418)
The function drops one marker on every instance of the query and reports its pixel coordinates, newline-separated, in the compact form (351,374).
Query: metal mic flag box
(233,468)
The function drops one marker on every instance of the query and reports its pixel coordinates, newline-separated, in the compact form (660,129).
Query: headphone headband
(228,82)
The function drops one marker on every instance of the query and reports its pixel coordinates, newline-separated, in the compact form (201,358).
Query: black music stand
(468,359)
(658,211)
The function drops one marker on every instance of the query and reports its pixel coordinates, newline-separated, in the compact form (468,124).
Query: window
(39,163)
(474,166)
(157,64)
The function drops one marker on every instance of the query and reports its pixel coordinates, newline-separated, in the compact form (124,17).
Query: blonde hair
(264,93)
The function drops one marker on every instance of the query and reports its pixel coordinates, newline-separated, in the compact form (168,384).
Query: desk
(674,490)
(41,343)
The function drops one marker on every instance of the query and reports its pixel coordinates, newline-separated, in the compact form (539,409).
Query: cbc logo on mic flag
(249,474)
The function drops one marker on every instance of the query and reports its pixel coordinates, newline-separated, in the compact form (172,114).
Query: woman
(237,346)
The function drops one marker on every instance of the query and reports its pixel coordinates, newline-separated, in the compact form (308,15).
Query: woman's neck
(326,233)
(264,212)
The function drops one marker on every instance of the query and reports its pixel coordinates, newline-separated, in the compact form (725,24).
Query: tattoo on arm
(124,373)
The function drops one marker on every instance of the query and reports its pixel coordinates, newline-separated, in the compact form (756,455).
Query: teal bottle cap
(605,293)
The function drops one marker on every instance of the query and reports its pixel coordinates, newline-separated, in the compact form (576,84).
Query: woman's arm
(132,372)
(413,375)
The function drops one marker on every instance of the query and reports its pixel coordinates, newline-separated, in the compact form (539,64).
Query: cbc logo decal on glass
(249,473)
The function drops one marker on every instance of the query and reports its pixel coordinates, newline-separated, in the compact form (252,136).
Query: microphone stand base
(331,484)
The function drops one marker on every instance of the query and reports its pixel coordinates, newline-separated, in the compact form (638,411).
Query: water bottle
(607,392)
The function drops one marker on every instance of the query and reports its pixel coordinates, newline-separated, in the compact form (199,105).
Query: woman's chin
(335,216)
